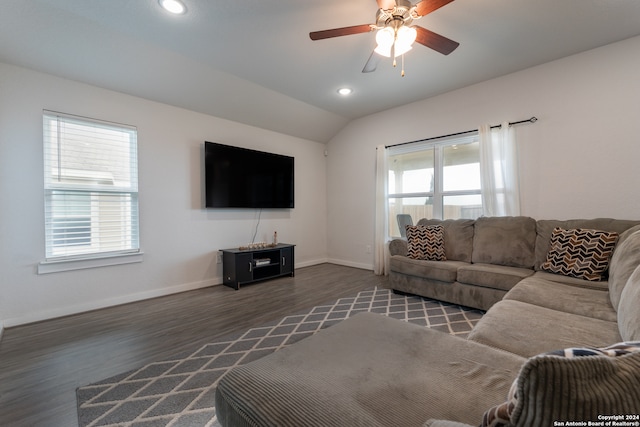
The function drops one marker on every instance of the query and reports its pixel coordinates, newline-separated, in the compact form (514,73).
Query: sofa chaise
(558,344)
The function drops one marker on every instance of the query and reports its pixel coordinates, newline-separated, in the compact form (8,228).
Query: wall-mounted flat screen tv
(242,178)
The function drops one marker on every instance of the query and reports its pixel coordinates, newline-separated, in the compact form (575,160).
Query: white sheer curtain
(499,171)
(380,250)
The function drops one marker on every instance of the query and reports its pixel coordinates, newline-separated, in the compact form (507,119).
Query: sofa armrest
(444,423)
(398,247)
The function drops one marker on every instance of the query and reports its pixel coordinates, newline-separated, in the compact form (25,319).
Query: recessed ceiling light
(344,91)
(173,6)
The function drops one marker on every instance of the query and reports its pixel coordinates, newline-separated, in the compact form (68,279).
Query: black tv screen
(242,178)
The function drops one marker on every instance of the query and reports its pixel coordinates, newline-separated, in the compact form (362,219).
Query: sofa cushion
(580,252)
(443,271)
(425,242)
(573,281)
(492,276)
(570,299)
(574,384)
(528,329)
(458,237)
(625,259)
(544,228)
(453,292)
(504,241)
(627,233)
(628,311)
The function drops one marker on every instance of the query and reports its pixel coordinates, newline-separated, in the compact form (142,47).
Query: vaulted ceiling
(252,61)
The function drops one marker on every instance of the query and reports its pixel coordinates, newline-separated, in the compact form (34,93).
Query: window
(91,187)
(435,180)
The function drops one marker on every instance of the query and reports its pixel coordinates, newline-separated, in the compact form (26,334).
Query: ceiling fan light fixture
(173,6)
(405,37)
(401,50)
(383,50)
(400,40)
(385,37)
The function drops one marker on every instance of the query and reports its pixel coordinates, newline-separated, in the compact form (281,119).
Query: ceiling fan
(395,34)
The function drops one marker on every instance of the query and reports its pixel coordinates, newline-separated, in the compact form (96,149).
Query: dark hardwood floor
(42,364)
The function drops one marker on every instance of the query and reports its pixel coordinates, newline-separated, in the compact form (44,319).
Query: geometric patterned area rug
(179,392)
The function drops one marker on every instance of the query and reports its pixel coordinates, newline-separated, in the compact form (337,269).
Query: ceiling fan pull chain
(402,72)
(393,53)
(393,50)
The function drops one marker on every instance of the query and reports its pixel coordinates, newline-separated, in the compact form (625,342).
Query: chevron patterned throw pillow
(425,242)
(580,253)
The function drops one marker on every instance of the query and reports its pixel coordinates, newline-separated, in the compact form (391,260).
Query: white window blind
(91,187)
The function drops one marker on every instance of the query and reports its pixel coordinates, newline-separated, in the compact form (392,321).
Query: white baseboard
(312,262)
(351,264)
(111,302)
(125,299)
(337,262)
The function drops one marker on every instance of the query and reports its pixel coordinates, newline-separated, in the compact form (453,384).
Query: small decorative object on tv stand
(247,265)
(259,245)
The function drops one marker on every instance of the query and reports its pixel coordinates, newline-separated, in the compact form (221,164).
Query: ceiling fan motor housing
(402,14)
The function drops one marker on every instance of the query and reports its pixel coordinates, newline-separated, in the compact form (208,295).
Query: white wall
(179,238)
(580,160)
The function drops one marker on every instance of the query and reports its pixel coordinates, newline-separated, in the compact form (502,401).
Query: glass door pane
(461,170)
(466,206)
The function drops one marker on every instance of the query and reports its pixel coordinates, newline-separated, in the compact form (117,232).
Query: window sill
(46,267)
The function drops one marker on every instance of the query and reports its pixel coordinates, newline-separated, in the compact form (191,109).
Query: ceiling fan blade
(386,4)
(338,32)
(372,63)
(435,41)
(427,6)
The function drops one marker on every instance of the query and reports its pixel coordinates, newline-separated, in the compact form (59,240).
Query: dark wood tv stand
(243,266)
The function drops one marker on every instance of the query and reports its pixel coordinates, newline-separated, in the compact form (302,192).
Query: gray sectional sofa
(550,349)
(487,257)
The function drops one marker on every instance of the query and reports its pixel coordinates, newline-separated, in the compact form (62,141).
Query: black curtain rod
(531,120)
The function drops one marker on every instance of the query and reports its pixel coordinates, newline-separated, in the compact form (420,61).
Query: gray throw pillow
(625,259)
(574,384)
